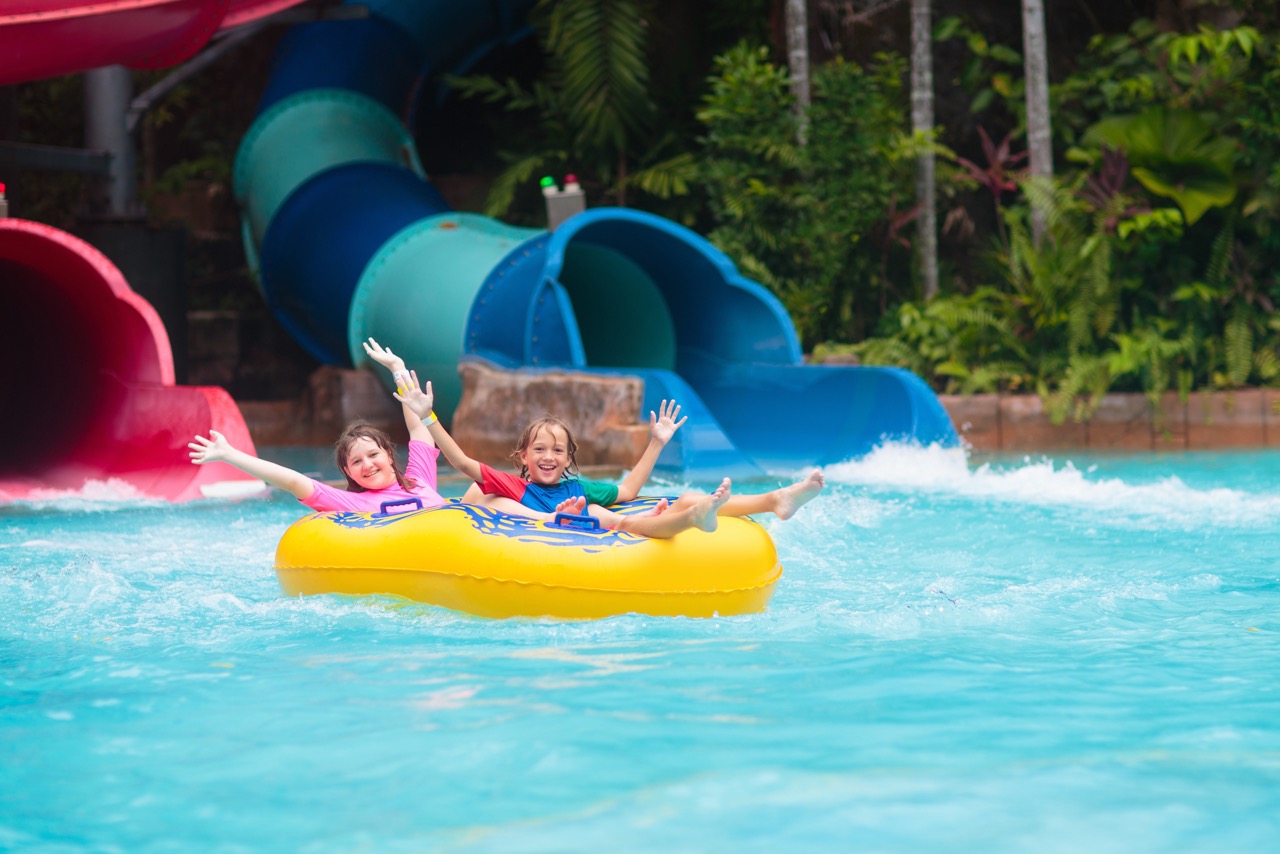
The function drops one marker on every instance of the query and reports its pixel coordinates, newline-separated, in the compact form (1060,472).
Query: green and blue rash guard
(545,498)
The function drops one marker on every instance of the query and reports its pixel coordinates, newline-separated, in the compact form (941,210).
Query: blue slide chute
(349,239)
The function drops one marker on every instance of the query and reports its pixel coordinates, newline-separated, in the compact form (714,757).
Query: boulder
(601,411)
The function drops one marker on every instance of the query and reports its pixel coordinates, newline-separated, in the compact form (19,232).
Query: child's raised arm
(419,402)
(393,363)
(216,449)
(662,426)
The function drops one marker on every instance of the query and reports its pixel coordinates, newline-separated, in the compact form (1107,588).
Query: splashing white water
(112,490)
(947,471)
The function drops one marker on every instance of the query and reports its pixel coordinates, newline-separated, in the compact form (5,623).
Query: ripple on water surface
(991,654)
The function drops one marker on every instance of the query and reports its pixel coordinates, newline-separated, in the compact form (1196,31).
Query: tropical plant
(592,108)
(1050,325)
(998,176)
(961,343)
(1174,153)
(809,221)
(992,71)
(1129,72)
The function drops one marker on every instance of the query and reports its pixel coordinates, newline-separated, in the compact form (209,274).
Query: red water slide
(47,38)
(88,382)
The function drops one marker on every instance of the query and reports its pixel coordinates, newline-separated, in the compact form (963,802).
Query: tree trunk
(922,124)
(798,63)
(1039,135)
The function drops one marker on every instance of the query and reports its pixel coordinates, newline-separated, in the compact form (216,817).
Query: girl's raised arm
(420,402)
(393,363)
(216,449)
(662,426)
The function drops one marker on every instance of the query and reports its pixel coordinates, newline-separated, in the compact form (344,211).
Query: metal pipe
(107,93)
(148,99)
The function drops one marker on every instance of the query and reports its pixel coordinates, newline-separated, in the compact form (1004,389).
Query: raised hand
(383,356)
(216,449)
(211,450)
(408,393)
(663,424)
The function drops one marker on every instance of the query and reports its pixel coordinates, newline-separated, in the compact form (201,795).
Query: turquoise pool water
(1063,654)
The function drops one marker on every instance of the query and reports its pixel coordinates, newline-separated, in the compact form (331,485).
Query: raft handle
(572,520)
(386,504)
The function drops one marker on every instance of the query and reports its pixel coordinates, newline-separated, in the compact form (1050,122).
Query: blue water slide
(348,239)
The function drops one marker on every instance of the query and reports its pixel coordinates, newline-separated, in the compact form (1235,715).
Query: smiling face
(546,457)
(369,464)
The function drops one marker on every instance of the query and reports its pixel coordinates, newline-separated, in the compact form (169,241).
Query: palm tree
(797,13)
(1039,131)
(922,125)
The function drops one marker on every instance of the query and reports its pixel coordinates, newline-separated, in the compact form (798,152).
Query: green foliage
(669,178)
(598,48)
(1128,73)
(590,111)
(1174,153)
(212,168)
(961,343)
(1124,293)
(992,71)
(1069,323)
(1041,329)
(812,222)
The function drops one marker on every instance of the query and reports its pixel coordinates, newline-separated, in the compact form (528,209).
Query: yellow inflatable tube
(492,564)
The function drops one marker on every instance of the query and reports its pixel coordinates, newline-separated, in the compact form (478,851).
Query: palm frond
(889,351)
(600,49)
(991,376)
(491,90)
(1220,254)
(668,178)
(1238,345)
(1266,361)
(519,174)
(1086,379)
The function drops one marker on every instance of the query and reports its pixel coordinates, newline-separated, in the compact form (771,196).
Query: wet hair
(364,430)
(536,426)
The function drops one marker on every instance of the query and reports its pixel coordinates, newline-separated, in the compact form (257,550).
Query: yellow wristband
(429,420)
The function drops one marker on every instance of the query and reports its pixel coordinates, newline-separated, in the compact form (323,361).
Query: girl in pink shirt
(366,457)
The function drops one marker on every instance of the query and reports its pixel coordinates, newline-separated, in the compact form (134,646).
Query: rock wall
(332,399)
(1245,418)
(601,412)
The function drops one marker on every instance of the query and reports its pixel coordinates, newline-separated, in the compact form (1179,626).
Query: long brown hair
(364,430)
(546,422)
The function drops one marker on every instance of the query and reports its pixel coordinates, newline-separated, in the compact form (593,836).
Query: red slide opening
(88,380)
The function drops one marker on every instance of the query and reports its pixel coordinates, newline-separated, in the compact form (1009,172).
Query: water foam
(110,491)
(1045,483)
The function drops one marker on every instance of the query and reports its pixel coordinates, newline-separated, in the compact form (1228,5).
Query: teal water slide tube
(349,239)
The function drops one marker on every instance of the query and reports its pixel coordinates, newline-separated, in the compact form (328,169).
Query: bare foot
(792,498)
(703,513)
(655,510)
(573,506)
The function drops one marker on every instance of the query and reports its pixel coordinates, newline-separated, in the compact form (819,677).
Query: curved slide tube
(88,382)
(349,239)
